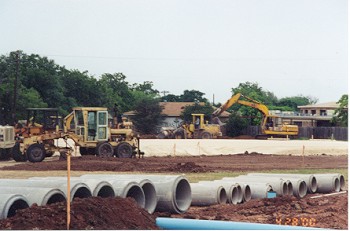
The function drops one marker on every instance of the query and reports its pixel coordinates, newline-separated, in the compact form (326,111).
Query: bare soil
(98,213)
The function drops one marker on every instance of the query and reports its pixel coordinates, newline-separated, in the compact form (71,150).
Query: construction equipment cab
(90,129)
(271,125)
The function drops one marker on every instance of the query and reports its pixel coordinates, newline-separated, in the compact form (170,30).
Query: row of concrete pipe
(172,193)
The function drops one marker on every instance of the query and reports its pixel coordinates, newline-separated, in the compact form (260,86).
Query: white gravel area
(196,147)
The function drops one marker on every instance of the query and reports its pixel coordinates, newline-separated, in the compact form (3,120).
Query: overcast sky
(289,47)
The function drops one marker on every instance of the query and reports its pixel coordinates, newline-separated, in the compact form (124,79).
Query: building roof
(174,109)
(329,105)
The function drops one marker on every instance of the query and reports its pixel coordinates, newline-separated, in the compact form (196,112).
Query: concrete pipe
(327,183)
(204,195)
(278,185)
(39,196)
(247,194)
(79,190)
(309,179)
(234,194)
(126,188)
(146,185)
(228,185)
(340,177)
(150,195)
(173,191)
(299,187)
(10,203)
(289,188)
(258,190)
(98,187)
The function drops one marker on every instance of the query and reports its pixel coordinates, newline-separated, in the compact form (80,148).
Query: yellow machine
(89,128)
(271,125)
(198,129)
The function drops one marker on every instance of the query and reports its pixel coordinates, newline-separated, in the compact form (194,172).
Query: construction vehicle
(197,129)
(90,130)
(7,141)
(35,139)
(271,125)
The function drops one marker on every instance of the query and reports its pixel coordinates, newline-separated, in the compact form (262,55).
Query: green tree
(171,98)
(116,90)
(80,89)
(295,101)
(146,87)
(253,91)
(193,96)
(197,108)
(341,113)
(147,115)
(236,124)
(42,74)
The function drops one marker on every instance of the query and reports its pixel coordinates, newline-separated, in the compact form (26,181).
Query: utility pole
(164,92)
(15,89)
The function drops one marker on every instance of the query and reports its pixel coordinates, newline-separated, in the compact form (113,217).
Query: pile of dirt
(187,167)
(88,213)
(324,212)
(238,162)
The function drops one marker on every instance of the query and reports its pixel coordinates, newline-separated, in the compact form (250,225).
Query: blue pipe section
(193,224)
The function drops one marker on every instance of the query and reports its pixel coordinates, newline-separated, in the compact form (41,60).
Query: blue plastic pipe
(193,224)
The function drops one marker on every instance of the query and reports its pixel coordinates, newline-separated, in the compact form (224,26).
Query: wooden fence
(336,133)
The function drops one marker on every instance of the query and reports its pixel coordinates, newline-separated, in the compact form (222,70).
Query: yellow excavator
(271,125)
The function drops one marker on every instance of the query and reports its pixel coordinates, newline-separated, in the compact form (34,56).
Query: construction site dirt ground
(323,212)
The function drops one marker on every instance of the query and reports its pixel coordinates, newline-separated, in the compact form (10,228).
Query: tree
(116,90)
(146,87)
(147,115)
(341,113)
(253,91)
(193,96)
(197,108)
(295,101)
(236,124)
(171,98)
(42,74)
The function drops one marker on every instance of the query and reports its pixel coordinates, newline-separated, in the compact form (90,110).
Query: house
(313,115)
(172,112)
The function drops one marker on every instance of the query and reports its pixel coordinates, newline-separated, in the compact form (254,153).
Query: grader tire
(124,150)
(17,155)
(36,153)
(104,150)
(5,153)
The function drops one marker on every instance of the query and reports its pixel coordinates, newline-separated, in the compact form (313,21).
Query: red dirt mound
(88,213)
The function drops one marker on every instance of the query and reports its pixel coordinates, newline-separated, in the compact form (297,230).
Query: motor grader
(196,129)
(88,127)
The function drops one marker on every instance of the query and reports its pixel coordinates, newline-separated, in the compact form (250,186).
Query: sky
(288,47)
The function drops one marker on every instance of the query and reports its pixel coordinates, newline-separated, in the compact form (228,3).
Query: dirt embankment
(108,213)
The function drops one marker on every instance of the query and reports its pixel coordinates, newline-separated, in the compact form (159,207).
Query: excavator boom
(267,118)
